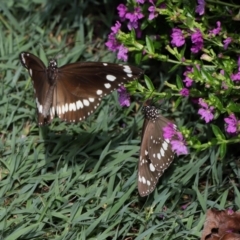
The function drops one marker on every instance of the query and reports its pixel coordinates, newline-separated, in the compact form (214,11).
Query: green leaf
(138,58)
(179,100)
(150,46)
(216,102)
(179,82)
(149,83)
(217,132)
(223,150)
(233,107)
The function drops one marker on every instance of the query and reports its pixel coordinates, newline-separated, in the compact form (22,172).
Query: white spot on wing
(91,99)
(107,85)
(127,69)
(165,145)
(79,104)
(59,112)
(152,168)
(86,102)
(66,107)
(99,92)
(63,109)
(23,59)
(74,107)
(162,152)
(110,78)
(30,72)
(144,180)
(105,64)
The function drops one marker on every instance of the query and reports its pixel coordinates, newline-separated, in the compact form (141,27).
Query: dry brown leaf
(221,225)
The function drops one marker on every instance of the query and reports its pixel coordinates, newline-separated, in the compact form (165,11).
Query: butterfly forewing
(74,91)
(156,153)
(38,73)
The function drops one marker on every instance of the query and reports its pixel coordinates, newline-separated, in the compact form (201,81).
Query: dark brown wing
(147,174)
(159,149)
(80,87)
(156,155)
(38,72)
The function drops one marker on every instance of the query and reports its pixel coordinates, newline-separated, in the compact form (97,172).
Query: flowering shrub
(199,40)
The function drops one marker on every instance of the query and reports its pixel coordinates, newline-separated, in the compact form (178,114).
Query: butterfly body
(156,153)
(73,91)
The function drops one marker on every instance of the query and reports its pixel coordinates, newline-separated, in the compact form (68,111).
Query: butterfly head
(52,72)
(52,64)
(150,112)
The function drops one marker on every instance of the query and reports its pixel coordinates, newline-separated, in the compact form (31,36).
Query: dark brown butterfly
(73,91)
(156,153)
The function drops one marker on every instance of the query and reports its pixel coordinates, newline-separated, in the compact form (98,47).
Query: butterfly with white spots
(156,153)
(73,91)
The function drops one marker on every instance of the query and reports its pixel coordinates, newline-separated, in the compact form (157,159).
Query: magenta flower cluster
(123,97)
(133,23)
(206,111)
(232,124)
(138,14)
(176,138)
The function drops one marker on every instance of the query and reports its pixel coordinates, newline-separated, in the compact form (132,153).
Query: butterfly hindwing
(160,150)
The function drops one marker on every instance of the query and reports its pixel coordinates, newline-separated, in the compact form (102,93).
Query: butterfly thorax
(52,71)
(150,112)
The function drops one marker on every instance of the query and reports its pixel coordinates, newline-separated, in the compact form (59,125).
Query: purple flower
(122,11)
(122,53)
(184,92)
(177,37)
(176,139)
(230,211)
(202,103)
(112,42)
(197,41)
(152,11)
(134,17)
(200,9)
(235,76)
(183,207)
(123,97)
(169,131)
(206,112)
(116,27)
(179,145)
(217,30)
(188,81)
(232,124)
(140,1)
(226,42)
